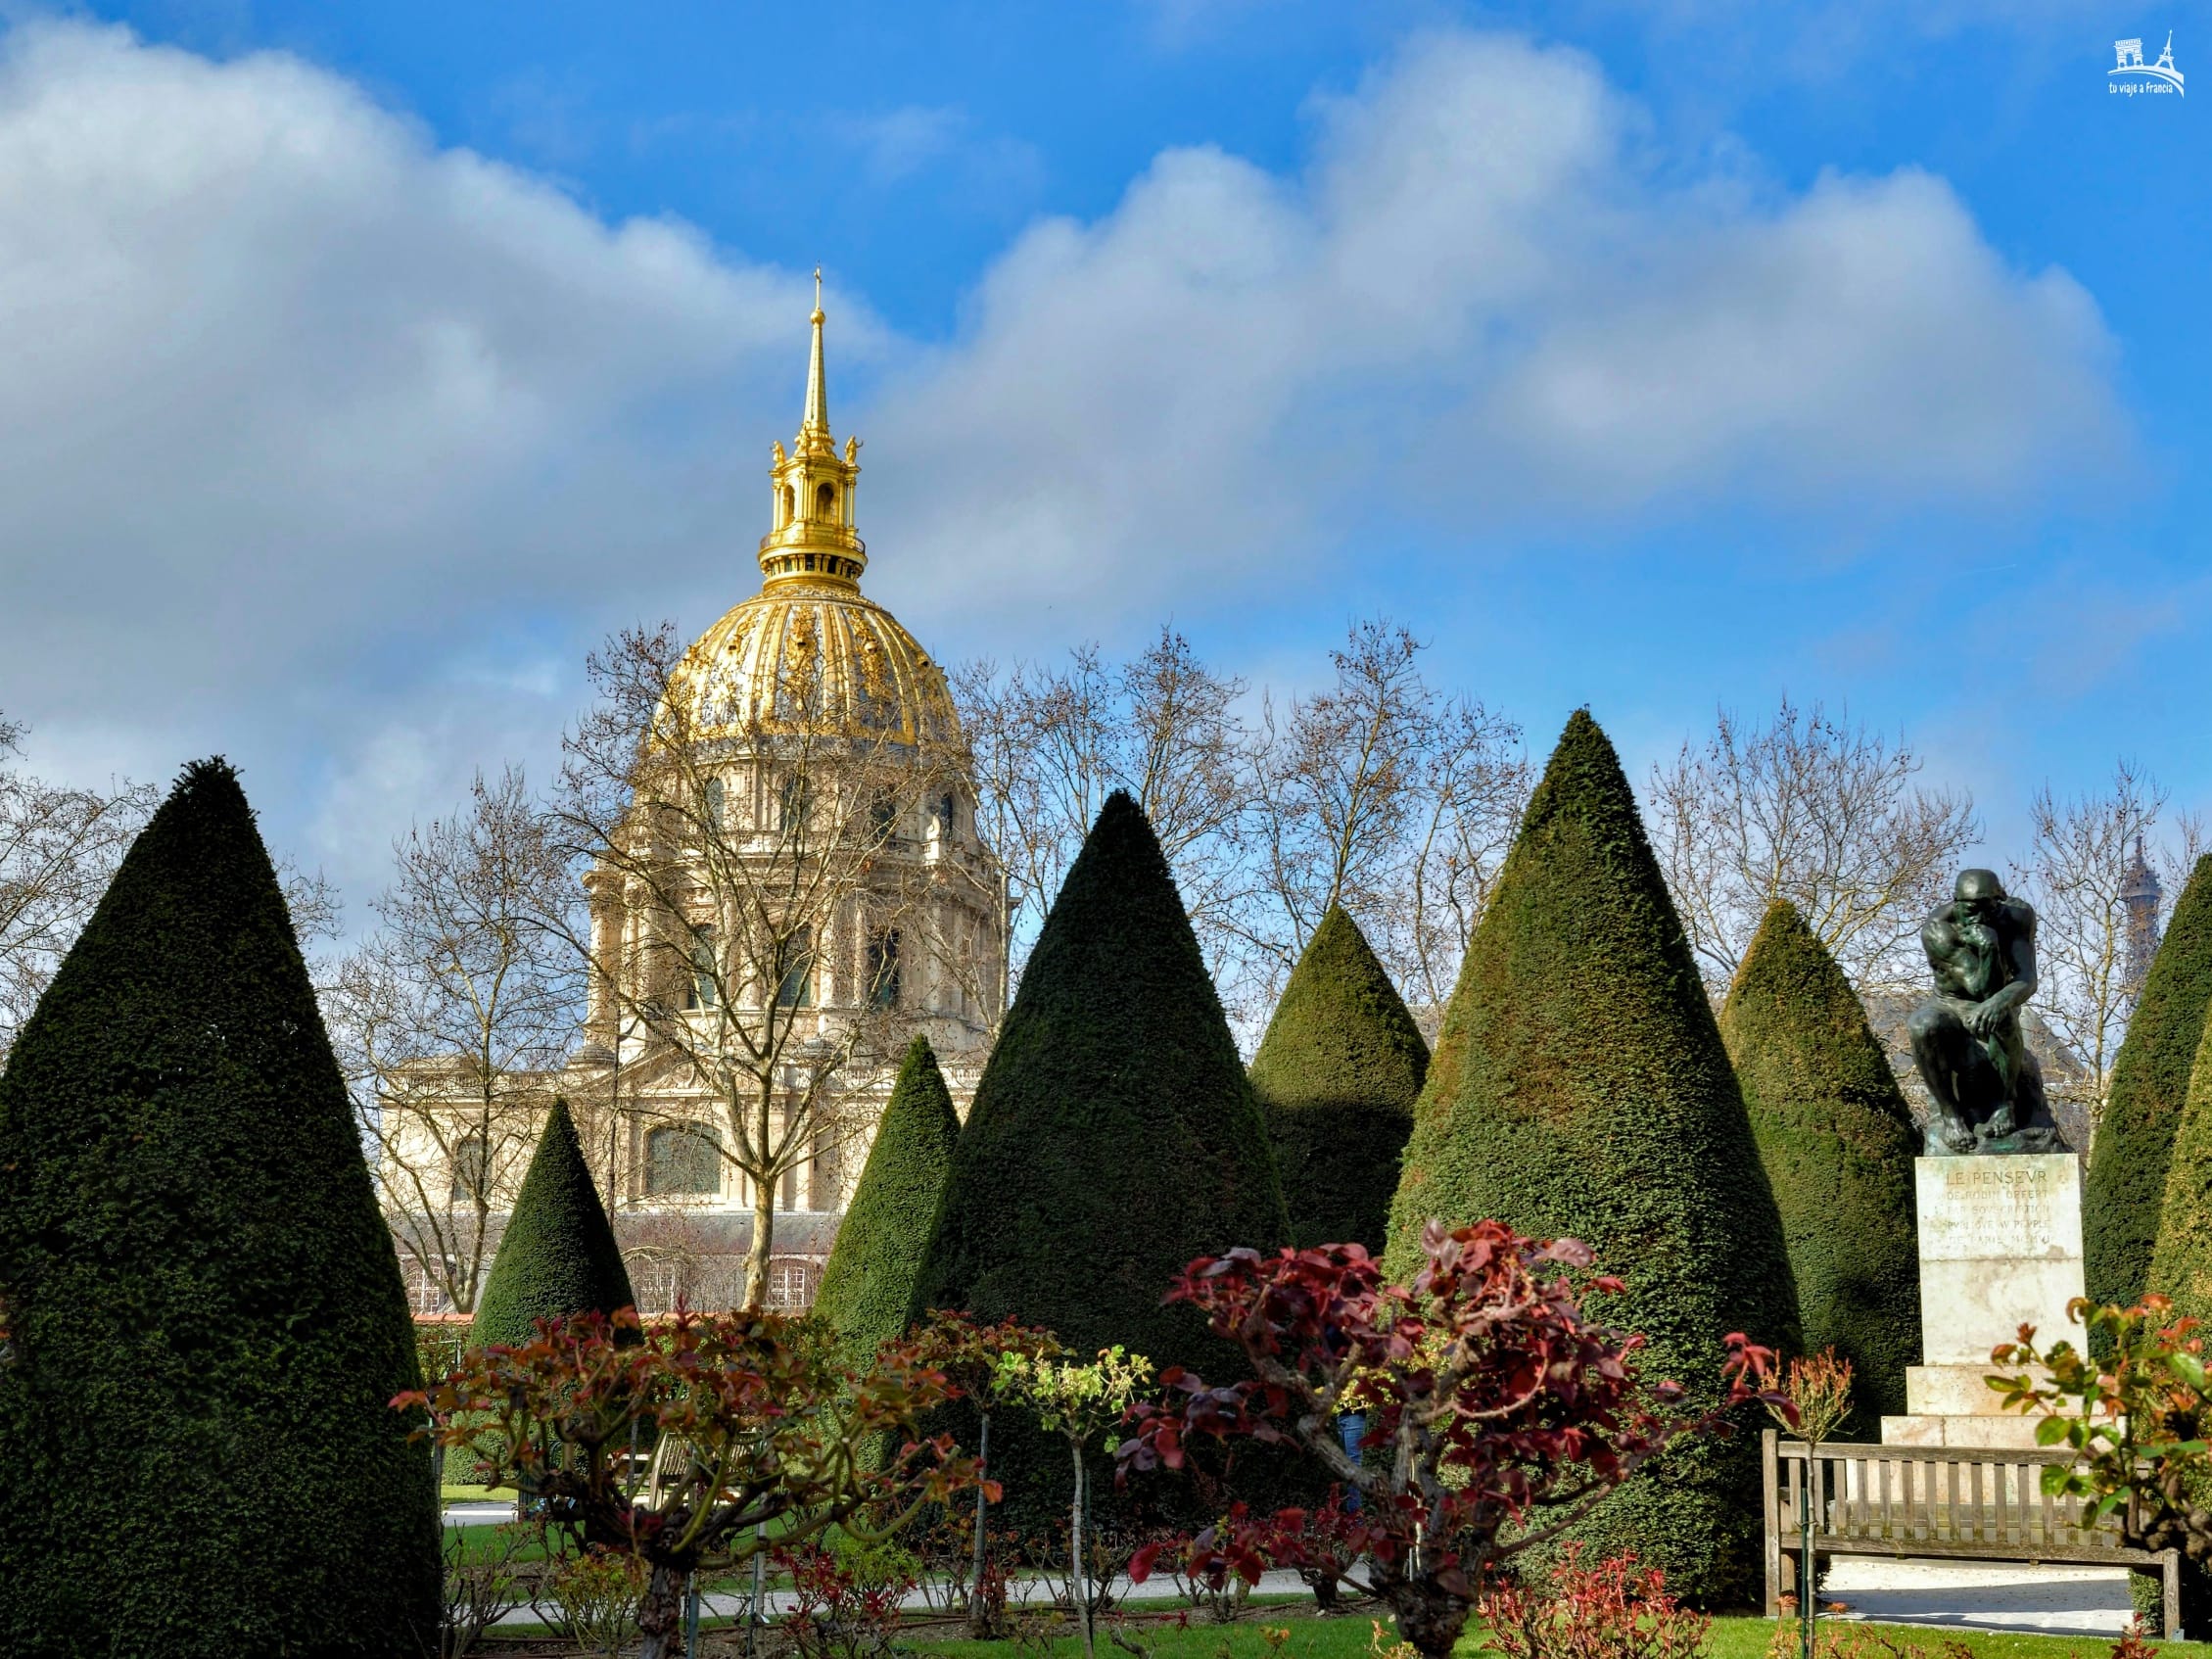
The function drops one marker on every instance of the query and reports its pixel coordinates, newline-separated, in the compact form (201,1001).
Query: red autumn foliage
(763,1430)
(1498,1411)
(1617,1610)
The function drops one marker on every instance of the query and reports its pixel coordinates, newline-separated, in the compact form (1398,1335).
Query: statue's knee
(1927,1023)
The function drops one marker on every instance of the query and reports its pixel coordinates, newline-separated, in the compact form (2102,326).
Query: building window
(825,502)
(698,987)
(948,810)
(883,970)
(469,1165)
(824,1176)
(794,985)
(713,795)
(791,1284)
(682,1159)
(884,819)
(790,504)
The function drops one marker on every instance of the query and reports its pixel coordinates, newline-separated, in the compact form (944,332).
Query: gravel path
(1996,1596)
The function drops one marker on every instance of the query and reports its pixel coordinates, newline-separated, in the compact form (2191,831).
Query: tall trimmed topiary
(559,1255)
(1579,1088)
(197,1454)
(1113,1139)
(867,1287)
(1337,1075)
(2180,1267)
(1838,1144)
(2126,1184)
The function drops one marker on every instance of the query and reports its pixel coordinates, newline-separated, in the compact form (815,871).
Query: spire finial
(816,422)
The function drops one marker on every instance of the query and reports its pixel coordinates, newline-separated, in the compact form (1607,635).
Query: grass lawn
(463,1494)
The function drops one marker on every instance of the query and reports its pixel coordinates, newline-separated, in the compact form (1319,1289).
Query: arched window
(825,502)
(468,1169)
(883,970)
(948,814)
(794,986)
(698,989)
(682,1159)
(790,504)
(713,797)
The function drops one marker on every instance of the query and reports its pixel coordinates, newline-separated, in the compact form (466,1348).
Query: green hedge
(867,1287)
(1579,1088)
(1337,1074)
(1113,1138)
(197,1456)
(559,1255)
(2126,1185)
(1837,1145)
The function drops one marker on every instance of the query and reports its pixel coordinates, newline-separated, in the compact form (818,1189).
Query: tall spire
(815,422)
(812,539)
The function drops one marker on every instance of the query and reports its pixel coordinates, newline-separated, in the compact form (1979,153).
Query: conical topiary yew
(867,1287)
(1838,1144)
(1579,1088)
(559,1255)
(1337,1075)
(197,1452)
(2126,1185)
(2180,1267)
(1113,1138)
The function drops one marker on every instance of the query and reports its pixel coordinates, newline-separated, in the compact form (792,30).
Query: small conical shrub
(1337,1075)
(2126,1184)
(1579,1088)
(1114,1137)
(559,1255)
(1838,1144)
(197,1451)
(866,1289)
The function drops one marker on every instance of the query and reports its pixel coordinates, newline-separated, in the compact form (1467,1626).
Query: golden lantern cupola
(814,541)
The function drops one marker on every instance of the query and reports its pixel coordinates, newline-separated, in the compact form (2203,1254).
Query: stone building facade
(779,715)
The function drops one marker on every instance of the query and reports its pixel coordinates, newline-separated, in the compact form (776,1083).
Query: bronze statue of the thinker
(1986,1090)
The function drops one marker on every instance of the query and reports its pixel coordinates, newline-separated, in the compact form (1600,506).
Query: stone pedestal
(2001,1246)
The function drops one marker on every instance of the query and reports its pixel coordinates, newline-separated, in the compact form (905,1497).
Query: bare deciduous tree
(453,1018)
(753,865)
(59,846)
(1386,796)
(1049,745)
(1817,810)
(2074,874)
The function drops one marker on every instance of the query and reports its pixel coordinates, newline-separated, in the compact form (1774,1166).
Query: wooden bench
(1937,1502)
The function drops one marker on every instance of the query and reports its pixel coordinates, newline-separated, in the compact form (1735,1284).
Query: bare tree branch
(452,1020)
(2075,875)
(59,848)
(1814,809)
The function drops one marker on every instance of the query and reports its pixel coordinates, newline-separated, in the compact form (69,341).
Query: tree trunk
(764,1241)
(1429,1618)
(978,1613)
(660,1616)
(1080,1586)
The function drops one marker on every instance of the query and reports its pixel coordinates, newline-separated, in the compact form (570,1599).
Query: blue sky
(368,362)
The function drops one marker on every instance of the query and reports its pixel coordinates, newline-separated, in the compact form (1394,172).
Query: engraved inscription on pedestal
(2001,1246)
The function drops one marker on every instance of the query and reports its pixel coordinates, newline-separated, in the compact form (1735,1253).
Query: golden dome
(808,652)
(816,657)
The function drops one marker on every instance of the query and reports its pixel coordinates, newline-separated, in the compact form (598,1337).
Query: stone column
(2001,1247)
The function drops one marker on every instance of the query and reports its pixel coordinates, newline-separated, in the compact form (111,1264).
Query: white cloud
(1476,300)
(303,411)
